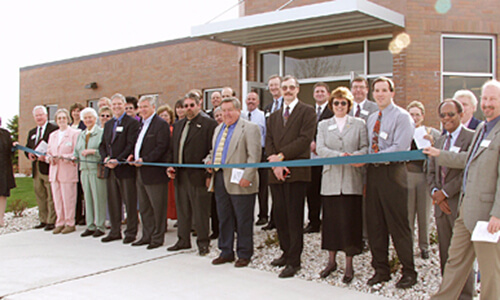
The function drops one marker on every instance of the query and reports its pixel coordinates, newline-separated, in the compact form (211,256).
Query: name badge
(332,127)
(267,114)
(33,137)
(69,144)
(485,143)
(383,135)
(364,112)
(119,128)
(198,125)
(455,149)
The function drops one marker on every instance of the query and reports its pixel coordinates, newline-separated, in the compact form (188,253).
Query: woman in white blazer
(341,185)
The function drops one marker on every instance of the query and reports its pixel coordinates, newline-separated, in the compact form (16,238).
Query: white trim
(467,74)
(244,90)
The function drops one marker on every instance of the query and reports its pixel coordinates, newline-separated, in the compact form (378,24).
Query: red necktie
(376,130)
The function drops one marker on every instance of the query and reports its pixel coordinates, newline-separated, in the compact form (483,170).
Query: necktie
(275,106)
(114,130)
(358,111)
(249,116)
(38,133)
(220,149)
(318,113)
(183,139)
(376,130)
(286,114)
(87,138)
(444,170)
(472,154)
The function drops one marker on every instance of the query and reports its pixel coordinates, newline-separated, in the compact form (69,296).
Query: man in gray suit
(235,141)
(445,183)
(479,201)
(362,107)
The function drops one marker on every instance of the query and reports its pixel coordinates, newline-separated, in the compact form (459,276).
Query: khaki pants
(43,193)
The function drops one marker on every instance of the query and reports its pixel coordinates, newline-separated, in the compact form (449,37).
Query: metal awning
(326,18)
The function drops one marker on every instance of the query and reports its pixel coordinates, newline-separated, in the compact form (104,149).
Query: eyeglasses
(288,87)
(105,116)
(449,114)
(189,105)
(337,103)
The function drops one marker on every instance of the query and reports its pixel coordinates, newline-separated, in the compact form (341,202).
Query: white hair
(86,111)
(119,96)
(43,108)
(150,98)
(492,82)
(467,94)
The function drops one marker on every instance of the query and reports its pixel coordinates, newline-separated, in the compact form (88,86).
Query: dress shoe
(329,269)
(214,236)
(177,247)
(289,271)
(261,221)
(241,262)
(87,232)
(377,278)
(140,242)
(311,229)
(279,262)
(222,260)
(110,238)
(81,223)
(58,229)
(269,226)
(40,226)
(202,251)
(424,254)
(68,229)
(98,233)
(406,281)
(153,246)
(128,239)
(194,233)
(49,227)
(348,278)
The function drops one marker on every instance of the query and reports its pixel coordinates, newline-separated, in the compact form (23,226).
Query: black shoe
(194,233)
(261,221)
(222,260)
(140,242)
(87,232)
(289,271)
(328,270)
(348,278)
(214,236)
(377,278)
(406,281)
(128,239)
(311,229)
(241,262)
(81,222)
(269,226)
(424,254)
(110,238)
(98,233)
(153,246)
(49,227)
(40,226)
(177,247)
(203,251)
(279,262)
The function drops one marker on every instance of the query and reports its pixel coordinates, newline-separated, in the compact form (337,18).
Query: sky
(34,32)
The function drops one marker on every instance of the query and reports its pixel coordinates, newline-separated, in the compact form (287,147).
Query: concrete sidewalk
(35,264)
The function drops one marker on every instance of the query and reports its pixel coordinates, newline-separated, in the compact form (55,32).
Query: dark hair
(132,100)
(73,107)
(360,79)
(384,79)
(323,85)
(458,105)
(275,76)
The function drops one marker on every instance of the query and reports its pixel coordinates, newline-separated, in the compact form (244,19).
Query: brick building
(452,45)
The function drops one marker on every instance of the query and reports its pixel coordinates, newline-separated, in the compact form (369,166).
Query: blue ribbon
(341,160)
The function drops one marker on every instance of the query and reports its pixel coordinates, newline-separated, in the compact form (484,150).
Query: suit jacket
(326,114)
(93,143)
(342,179)
(267,109)
(482,194)
(122,145)
(293,139)
(369,106)
(473,123)
(44,167)
(154,148)
(63,170)
(453,179)
(244,147)
(197,145)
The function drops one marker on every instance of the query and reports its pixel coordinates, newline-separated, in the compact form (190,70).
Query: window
(207,95)
(466,62)
(93,104)
(51,111)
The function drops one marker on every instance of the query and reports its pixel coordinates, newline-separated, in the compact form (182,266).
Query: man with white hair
(469,102)
(40,169)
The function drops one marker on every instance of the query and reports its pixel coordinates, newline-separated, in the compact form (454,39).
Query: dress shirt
(60,135)
(360,105)
(276,104)
(322,107)
(396,129)
(142,133)
(340,123)
(291,106)
(258,118)
(40,131)
(227,142)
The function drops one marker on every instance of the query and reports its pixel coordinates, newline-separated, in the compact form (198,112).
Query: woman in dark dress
(341,185)
(6,174)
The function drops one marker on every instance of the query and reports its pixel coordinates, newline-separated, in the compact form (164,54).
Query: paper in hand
(418,136)
(481,234)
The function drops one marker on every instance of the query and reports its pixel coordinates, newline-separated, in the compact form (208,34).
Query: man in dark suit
(321,93)
(469,102)
(40,169)
(290,131)
(191,143)
(445,183)
(362,107)
(118,140)
(152,182)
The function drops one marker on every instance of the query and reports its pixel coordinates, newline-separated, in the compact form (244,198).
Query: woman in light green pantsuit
(94,188)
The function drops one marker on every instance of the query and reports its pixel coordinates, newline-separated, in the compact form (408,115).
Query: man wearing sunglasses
(445,183)
(290,131)
(191,143)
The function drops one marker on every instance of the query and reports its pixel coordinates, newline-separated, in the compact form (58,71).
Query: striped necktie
(220,149)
